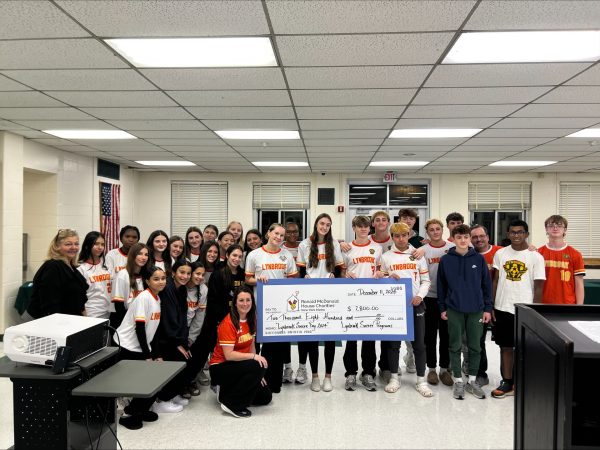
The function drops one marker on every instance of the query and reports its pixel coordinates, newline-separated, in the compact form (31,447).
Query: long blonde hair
(54,248)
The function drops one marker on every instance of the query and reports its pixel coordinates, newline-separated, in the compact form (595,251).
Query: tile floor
(300,418)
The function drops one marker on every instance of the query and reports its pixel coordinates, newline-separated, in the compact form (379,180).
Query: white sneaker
(166,407)
(315,384)
(301,375)
(179,400)
(288,375)
(327,387)
(393,385)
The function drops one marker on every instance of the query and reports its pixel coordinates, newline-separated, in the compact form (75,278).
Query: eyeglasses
(555,225)
(517,233)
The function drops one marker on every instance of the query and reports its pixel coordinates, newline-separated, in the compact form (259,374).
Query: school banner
(332,309)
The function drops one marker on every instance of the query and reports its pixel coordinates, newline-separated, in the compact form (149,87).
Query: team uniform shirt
(488,255)
(363,260)
(292,250)
(277,265)
(432,258)
(227,336)
(562,266)
(405,265)
(321,270)
(144,308)
(193,258)
(385,245)
(115,261)
(98,294)
(196,311)
(121,291)
(159,263)
(517,271)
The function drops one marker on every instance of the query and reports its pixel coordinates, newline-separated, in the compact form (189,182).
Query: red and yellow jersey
(562,266)
(488,255)
(227,336)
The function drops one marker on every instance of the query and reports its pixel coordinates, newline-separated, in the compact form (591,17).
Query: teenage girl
(209,257)
(158,245)
(193,243)
(196,301)
(236,229)
(252,241)
(116,259)
(226,238)
(176,245)
(93,268)
(135,336)
(210,233)
(282,265)
(128,283)
(318,257)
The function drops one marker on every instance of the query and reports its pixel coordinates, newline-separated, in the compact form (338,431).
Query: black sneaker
(503,390)
(131,422)
(241,414)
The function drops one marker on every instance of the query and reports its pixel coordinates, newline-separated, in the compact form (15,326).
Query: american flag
(109,213)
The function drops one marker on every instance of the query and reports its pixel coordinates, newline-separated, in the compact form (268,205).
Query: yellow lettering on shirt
(98,278)
(404,266)
(155,316)
(557,264)
(274,266)
(363,259)
(245,338)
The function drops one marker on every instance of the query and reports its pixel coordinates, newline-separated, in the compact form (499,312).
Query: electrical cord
(105,422)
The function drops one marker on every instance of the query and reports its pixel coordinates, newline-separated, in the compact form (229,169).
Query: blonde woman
(237,231)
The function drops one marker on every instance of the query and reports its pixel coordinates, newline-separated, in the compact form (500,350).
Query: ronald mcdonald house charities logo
(293,302)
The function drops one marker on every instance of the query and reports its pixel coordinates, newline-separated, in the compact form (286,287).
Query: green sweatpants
(469,323)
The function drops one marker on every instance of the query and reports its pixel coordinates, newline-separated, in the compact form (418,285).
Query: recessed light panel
(398,163)
(522,163)
(587,133)
(434,133)
(280,164)
(258,134)
(90,134)
(166,163)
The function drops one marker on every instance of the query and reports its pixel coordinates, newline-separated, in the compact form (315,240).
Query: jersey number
(565,275)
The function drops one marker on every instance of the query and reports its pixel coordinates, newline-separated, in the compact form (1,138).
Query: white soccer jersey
(406,266)
(432,257)
(99,287)
(321,270)
(160,264)
(517,270)
(196,310)
(275,265)
(363,260)
(194,258)
(293,250)
(385,245)
(121,292)
(144,308)
(116,261)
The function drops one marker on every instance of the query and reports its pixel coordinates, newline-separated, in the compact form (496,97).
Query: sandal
(392,386)
(423,389)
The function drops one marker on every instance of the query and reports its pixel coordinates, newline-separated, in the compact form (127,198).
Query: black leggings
(311,349)
(274,353)
(138,405)
(433,325)
(240,384)
(182,380)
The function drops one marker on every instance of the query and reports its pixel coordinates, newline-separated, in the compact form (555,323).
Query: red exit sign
(389,177)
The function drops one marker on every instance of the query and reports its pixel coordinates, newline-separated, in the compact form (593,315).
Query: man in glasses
(564,266)
(518,278)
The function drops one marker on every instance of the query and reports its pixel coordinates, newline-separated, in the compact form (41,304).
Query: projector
(37,341)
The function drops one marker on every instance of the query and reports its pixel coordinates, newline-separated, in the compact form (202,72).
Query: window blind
(198,204)
(281,196)
(485,195)
(579,203)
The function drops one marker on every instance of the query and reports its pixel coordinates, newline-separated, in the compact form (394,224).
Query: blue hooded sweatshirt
(464,283)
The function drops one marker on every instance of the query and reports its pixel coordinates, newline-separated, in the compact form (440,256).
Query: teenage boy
(434,250)
(361,261)
(518,278)
(292,233)
(481,243)
(400,263)
(564,266)
(380,221)
(453,220)
(464,297)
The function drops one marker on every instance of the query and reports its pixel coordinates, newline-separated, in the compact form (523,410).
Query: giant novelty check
(328,309)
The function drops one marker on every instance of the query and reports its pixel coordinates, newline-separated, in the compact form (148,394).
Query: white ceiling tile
(341,142)
(459,158)
(48,140)
(535,15)
(524,132)
(488,75)
(446,123)
(572,94)
(262,97)
(56,54)
(545,152)
(31,134)
(560,110)
(213,147)
(6,84)
(26,99)
(298,17)
(36,19)
(417,148)
(132,125)
(169,18)
(220,78)
(433,111)
(362,50)
(261,155)
(114,98)
(477,96)
(270,143)
(121,145)
(43,114)
(347,124)
(173,134)
(138,113)
(268,149)
(81,149)
(546,122)
(356,77)
(424,142)
(490,149)
(202,152)
(188,142)
(425,156)
(81,80)
(344,134)
(66,124)
(242,112)
(249,124)
(315,150)
(590,77)
(594,157)
(349,112)
(571,142)
(342,97)
(505,141)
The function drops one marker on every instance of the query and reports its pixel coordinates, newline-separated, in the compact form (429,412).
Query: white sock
(432,369)
(394,376)
(288,365)
(420,380)
(303,366)
(471,378)
(457,379)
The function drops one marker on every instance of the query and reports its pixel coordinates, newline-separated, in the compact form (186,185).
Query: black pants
(274,353)
(137,405)
(240,384)
(182,380)
(311,349)
(287,356)
(368,358)
(434,325)
(483,362)
(203,346)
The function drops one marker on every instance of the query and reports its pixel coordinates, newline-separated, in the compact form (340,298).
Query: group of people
(192,299)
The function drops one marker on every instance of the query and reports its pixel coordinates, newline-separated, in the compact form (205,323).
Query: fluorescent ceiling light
(368,187)
(587,133)
(398,163)
(522,163)
(434,133)
(196,52)
(166,163)
(259,134)
(360,198)
(364,193)
(525,46)
(280,163)
(90,134)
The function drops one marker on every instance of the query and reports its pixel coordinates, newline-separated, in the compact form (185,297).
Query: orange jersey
(562,266)
(488,255)
(227,336)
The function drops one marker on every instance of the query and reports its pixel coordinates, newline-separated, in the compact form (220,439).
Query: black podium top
(15,370)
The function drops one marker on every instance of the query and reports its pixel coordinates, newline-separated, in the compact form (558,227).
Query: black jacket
(57,288)
(220,295)
(172,329)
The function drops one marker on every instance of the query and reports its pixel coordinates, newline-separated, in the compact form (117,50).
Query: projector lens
(20,343)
